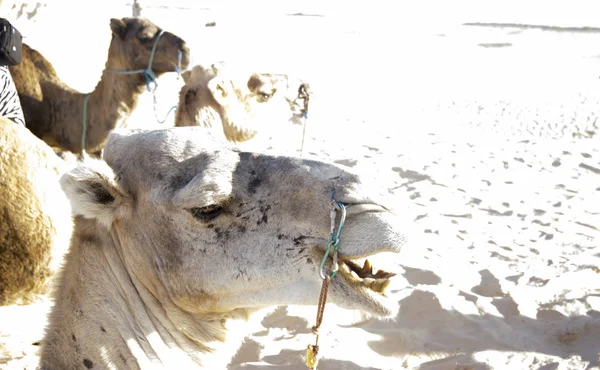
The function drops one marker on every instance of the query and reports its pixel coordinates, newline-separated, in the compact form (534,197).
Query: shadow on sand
(423,326)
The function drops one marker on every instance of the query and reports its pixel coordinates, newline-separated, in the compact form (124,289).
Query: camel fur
(54,112)
(240,102)
(178,240)
(35,222)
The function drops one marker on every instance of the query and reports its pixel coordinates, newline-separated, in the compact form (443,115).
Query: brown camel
(54,112)
(35,222)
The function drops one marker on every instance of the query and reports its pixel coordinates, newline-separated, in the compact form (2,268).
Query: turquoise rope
(334,241)
(84,132)
(336,247)
(149,75)
(325,258)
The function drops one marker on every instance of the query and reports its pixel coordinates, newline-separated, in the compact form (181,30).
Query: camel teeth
(380,285)
(377,282)
(384,274)
(367,269)
(376,285)
(368,282)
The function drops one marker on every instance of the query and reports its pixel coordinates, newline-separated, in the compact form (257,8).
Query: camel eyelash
(263,96)
(211,211)
(207,213)
(146,36)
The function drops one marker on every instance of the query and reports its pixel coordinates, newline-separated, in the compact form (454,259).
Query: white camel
(239,103)
(178,240)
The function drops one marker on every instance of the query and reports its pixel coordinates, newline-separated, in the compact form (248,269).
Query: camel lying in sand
(54,111)
(27,186)
(35,226)
(240,102)
(178,240)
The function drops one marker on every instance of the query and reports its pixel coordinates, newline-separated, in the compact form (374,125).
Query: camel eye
(146,36)
(206,213)
(263,97)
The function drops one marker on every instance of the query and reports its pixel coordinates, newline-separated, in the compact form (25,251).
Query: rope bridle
(334,244)
(149,74)
(303,94)
(151,85)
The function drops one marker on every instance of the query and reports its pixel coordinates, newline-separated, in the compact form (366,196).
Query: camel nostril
(358,208)
(185,51)
(303,90)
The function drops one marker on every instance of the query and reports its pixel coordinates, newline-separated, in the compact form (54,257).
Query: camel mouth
(299,104)
(365,275)
(185,58)
(359,286)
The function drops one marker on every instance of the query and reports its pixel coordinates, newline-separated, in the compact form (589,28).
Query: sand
(484,134)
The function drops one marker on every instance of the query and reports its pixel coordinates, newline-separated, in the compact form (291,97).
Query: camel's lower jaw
(357,286)
(185,58)
(297,118)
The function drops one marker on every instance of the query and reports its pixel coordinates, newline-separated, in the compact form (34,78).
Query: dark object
(10,44)
(210,24)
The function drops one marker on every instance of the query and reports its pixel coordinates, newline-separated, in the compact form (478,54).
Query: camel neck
(208,116)
(204,113)
(109,105)
(108,317)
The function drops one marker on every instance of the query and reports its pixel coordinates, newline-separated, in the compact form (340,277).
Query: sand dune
(485,137)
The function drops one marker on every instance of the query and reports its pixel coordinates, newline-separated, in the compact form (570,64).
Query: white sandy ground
(485,137)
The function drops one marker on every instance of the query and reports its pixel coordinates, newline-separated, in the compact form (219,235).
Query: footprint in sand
(457,362)
(346,162)
(248,352)
(416,276)
(285,357)
(412,176)
(280,319)
(493,212)
(506,306)
(331,364)
(489,286)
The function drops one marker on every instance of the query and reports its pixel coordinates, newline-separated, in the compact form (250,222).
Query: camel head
(132,43)
(242,101)
(214,230)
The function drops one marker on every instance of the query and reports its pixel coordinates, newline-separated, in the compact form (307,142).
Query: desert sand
(482,123)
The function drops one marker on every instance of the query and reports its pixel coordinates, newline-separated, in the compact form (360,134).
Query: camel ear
(218,89)
(94,192)
(218,67)
(254,82)
(186,75)
(118,27)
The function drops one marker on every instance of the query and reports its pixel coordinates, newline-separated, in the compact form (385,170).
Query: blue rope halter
(149,76)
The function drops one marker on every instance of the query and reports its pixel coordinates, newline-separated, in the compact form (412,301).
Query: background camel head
(215,230)
(244,101)
(132,42)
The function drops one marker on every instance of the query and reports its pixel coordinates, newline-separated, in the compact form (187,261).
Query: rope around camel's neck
(151,86)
